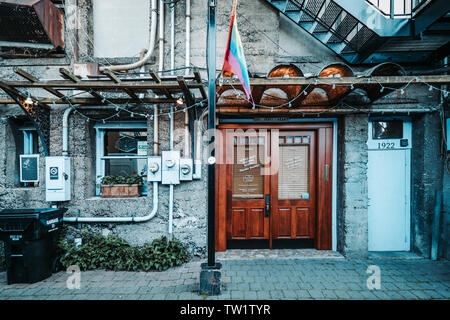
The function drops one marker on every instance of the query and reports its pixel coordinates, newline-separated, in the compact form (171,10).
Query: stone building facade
(269,39)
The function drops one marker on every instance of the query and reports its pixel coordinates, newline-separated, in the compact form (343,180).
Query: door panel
(387,205)
(293,184)
(248,153)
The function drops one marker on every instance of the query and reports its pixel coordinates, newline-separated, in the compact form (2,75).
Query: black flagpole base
(210,279)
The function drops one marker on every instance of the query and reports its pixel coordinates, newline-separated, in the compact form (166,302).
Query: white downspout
(141,62)
(188,36)
(161,35)
(172,38)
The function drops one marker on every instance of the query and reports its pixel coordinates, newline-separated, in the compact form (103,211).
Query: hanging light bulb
(180,101)
(28,101)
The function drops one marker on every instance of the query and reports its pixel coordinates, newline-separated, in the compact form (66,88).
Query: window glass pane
(125,167)
(392,129)
(298,140)
(248,169)
(289,139)
(306,139)
(293,174)
(119,142)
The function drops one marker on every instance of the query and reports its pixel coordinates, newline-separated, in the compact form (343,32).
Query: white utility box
(57,179)
(154,169)
(186,169)
(170,167)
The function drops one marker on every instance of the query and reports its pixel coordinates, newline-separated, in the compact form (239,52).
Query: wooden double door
(273,186)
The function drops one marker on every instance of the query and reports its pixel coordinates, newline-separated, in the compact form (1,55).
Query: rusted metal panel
(317,94)
(375,91)
(38,23)
(338,92)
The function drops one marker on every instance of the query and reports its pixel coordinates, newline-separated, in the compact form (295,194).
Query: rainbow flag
(234,60)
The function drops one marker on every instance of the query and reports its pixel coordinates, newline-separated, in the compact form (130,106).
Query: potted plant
(122,186)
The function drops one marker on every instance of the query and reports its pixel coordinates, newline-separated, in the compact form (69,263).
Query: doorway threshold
(393,255)
(254,254)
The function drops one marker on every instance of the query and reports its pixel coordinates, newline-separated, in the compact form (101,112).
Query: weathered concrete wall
(269,40)
(352,206)
(426,179)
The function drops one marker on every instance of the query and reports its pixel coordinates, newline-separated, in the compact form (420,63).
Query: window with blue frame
(121,150)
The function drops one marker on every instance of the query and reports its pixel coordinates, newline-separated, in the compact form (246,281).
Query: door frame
(326,135)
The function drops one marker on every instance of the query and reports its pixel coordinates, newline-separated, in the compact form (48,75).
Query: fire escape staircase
(355,29)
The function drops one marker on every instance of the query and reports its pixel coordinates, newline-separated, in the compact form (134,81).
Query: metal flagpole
(211,65)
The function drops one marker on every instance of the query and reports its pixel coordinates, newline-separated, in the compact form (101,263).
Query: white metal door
(389,189)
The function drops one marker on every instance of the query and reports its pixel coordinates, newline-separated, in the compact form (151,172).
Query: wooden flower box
(121,191)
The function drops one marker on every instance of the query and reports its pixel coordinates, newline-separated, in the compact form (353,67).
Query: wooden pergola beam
(299,111)
(93,101)
(198,78)
(187,94)
(103,85)
(159,81)
(70,76)
(116,79)
(384,80)
(33,79)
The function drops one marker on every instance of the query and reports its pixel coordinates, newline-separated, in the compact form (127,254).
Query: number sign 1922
(386,145)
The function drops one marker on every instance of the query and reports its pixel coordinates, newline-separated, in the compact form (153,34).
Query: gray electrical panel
(186,169)
(154,169)
(170,167)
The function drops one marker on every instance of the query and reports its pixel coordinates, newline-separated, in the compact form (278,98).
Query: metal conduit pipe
(65,126)
(188,35)
(170,231)
(120,219)
(187,145)
(172,38)
(141,62)
(161,35)
(65,133)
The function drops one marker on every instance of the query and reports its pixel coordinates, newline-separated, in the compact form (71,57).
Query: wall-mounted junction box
(170,167)
(186,169)
(154,169)
(29,168)
(57,179)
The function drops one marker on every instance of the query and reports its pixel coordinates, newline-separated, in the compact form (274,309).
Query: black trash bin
(30,237)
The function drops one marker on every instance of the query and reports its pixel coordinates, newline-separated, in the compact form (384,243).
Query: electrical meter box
(154,169)
(57,179)
(186,169)
(170,167)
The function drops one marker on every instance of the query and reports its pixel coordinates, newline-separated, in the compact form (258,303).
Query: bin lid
(17,220)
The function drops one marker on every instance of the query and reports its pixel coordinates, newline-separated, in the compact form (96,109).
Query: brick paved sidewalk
(253,279)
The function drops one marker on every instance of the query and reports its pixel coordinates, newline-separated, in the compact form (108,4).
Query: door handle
(327,173)
(267,206)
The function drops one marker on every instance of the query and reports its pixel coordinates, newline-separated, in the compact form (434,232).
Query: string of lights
(288,103)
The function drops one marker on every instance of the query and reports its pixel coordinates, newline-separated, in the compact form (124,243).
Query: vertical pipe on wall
(172,38)
(161,35)
(171,115)
(65,136)
(188,35)
(187,145)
